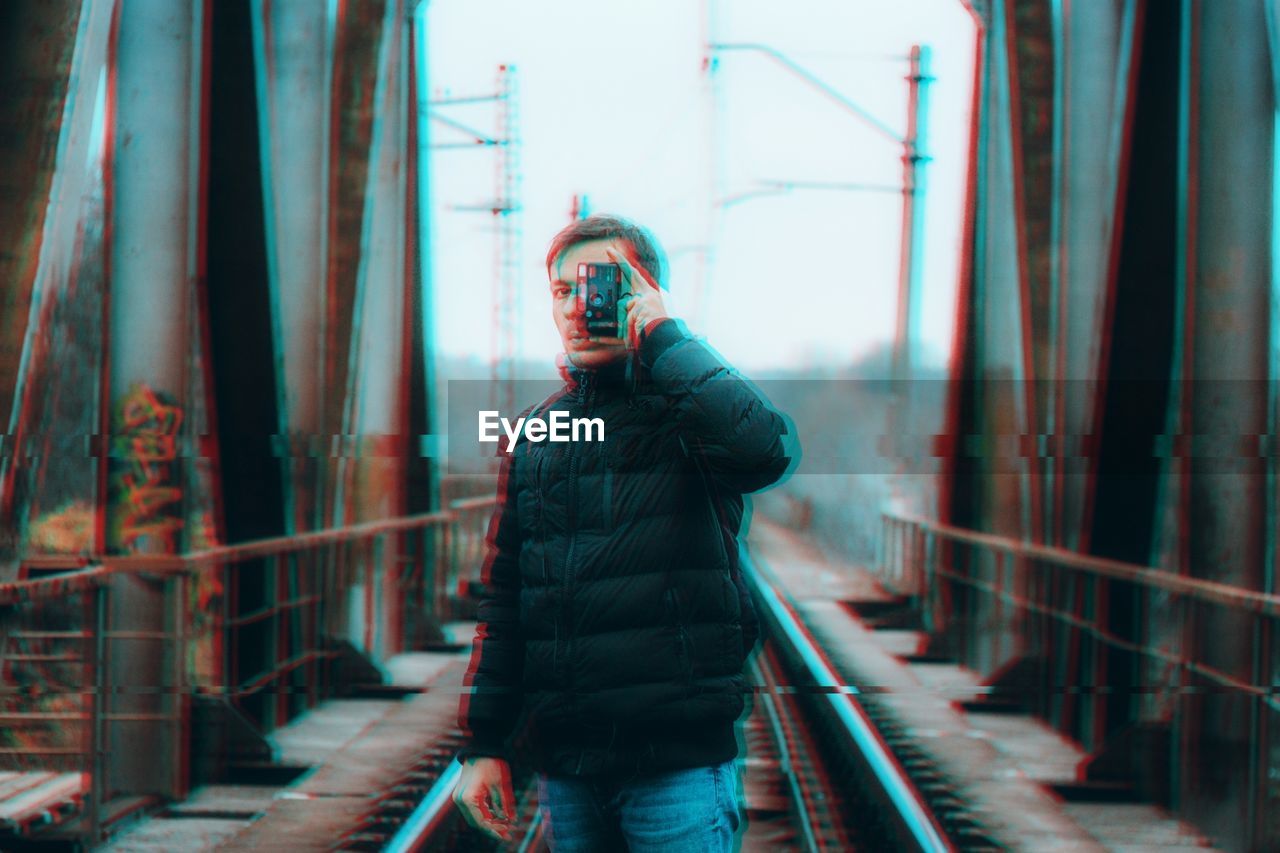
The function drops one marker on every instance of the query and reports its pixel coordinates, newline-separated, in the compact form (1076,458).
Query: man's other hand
(484,796)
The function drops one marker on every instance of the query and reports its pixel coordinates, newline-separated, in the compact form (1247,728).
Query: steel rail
(430,814)
(914,819)
(786,761)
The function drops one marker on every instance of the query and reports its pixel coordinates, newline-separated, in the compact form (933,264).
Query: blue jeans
(697,810)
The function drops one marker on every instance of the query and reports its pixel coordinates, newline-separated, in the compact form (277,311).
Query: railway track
(826,769)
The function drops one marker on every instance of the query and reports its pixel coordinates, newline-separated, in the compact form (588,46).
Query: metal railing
(465,545)
(50,677)
(1110,645)
(99,664)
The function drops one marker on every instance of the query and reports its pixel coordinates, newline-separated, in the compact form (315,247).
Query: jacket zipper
(542,529)
(608,495)
(586,395)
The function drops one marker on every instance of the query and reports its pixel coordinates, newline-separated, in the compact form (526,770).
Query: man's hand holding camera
(644,301)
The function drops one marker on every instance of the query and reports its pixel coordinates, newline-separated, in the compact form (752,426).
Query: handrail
(1265,604)
(17,592)
(1035,621)
(473,503)
(313,539)
(102,565)
(282,598)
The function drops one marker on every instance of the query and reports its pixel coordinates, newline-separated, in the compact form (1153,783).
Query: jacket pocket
(683,658)
(729,604)
(714,524)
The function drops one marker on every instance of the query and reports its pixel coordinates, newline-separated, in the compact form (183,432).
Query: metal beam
(154,263)
(293,60)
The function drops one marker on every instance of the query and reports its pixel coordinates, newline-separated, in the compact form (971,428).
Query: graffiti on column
(146,435)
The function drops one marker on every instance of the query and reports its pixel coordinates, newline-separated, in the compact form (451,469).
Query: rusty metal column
(419,620)
(1229,338)
(1100,73)
(1267,669)
(1000,502)
(293,60)
(52,257)
(376,397)
(154,256)
(39,46)
(293,72)
(1100,42)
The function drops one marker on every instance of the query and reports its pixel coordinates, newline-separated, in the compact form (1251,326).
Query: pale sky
(614,103)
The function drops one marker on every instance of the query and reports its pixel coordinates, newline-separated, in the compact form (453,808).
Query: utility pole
(913,189)
(914,159)
(913,176)
(507,295)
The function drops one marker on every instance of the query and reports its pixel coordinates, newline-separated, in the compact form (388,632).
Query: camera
(600,292)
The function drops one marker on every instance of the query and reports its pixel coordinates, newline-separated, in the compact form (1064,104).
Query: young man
(614,620)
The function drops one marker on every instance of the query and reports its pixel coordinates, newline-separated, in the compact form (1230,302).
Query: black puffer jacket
(613,613)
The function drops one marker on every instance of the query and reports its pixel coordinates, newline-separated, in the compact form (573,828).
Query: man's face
(564,304)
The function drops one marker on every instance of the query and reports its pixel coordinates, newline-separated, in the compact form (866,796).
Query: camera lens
(597,299)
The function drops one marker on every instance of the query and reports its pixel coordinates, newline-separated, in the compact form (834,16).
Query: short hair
(605,226)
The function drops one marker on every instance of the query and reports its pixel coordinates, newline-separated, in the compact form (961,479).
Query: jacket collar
(615,375)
